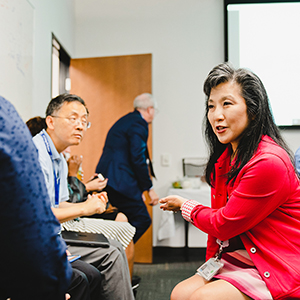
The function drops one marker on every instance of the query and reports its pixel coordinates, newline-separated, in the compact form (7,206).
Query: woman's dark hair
(261,121)
(36,125)
(57,102)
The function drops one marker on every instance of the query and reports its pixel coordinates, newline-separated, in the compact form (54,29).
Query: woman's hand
(96,184)
(74,164)
(172,203)
(103,197)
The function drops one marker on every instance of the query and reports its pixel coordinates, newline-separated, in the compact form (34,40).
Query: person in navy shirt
(124,162)
(33,257)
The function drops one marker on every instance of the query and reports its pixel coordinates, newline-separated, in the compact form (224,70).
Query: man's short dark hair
(57,102)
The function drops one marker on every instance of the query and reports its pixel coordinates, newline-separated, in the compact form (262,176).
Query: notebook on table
(85,239)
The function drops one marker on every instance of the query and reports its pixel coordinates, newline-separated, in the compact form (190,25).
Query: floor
(158,279)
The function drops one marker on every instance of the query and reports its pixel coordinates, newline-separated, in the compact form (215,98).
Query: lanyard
(222,244)
(56,178)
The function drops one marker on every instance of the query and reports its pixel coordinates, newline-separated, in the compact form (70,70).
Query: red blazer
(263,208)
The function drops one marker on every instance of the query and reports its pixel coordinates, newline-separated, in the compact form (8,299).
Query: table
(167,223)
(201,195)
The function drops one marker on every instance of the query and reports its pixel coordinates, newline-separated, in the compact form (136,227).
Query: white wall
(292,137)
(186,41)
(50,16)
(16,53)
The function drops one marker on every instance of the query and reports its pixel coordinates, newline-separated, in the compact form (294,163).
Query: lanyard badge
(56,178)
(211,267)
(56,185)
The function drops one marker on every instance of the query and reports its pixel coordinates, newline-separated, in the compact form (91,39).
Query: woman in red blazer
(253,224)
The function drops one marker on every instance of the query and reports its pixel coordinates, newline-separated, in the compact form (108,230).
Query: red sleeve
(187,208)
(260,188)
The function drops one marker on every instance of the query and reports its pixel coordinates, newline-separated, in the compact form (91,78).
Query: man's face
(67,126)
(151,114)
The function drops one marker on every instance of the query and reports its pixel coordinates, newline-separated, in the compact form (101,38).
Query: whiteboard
(264,38)
(16,54)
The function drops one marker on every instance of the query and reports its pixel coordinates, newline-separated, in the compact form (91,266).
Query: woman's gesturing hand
(172,203)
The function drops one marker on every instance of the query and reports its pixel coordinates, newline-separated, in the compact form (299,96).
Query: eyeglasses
(76,121)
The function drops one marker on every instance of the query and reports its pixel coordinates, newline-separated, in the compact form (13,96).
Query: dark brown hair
(259,113)
(36,125)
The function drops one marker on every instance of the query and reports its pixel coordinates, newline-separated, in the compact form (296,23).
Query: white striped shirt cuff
(186,209)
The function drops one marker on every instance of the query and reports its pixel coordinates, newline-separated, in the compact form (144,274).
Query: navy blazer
(124,160)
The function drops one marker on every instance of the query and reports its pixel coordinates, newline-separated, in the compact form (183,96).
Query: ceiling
(89,9)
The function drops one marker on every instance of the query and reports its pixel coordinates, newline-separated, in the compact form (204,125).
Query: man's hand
(95,204)
(153,196)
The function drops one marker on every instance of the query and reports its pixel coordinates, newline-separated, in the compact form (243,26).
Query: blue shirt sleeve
(297,160)
(33,257)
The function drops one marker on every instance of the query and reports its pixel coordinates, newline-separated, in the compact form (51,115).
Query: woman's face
(227,113)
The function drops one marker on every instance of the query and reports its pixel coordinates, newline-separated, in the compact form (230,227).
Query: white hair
(144,101)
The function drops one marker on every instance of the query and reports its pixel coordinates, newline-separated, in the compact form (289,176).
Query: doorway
(109,85)
(60,69)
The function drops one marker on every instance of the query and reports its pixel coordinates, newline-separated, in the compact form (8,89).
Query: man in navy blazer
(124,163)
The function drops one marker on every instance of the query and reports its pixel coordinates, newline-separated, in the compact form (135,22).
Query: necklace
(233,155)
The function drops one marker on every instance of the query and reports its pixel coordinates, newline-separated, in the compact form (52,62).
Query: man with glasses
(67,122)
(125,162)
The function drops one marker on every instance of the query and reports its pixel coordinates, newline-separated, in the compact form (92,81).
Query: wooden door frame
(109,85)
